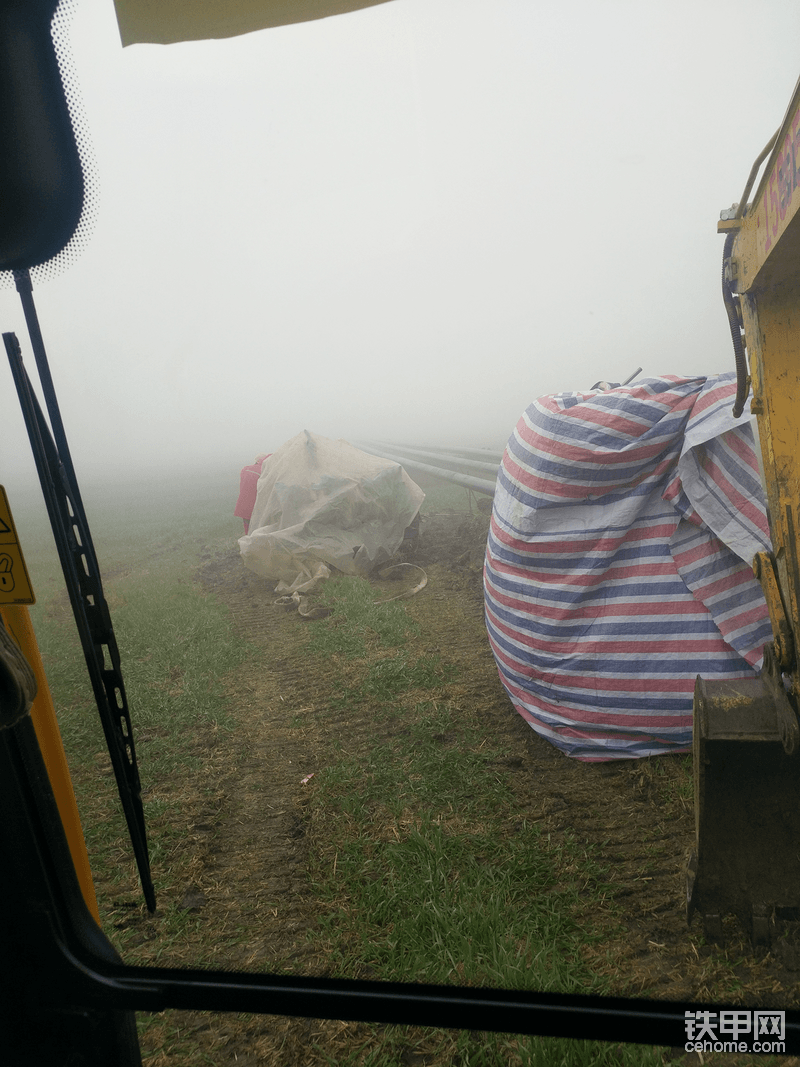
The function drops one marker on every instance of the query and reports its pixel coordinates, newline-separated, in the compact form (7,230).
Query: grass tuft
(426,873)
(357,622)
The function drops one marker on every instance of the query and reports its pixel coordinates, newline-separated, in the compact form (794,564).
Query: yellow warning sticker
(15,585)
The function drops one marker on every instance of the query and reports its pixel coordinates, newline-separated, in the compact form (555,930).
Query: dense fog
(403,223)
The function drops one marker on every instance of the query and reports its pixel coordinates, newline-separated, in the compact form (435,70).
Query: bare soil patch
(243,880)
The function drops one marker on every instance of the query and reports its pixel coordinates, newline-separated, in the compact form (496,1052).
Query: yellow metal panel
(18,624)
(772,328)
(15,585)
(767,244)
(765,268)
(780,198)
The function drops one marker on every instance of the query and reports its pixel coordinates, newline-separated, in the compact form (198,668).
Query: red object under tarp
(248,489)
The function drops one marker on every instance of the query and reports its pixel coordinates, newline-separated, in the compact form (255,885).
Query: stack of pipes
(473,468)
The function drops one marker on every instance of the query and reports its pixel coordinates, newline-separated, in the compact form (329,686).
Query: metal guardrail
(458,462)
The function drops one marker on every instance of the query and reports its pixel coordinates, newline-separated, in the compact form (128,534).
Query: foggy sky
(404,223)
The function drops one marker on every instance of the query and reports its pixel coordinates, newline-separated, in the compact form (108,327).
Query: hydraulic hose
(742,379)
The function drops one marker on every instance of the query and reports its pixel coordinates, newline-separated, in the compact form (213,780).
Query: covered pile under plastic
(618,564)
(323,504)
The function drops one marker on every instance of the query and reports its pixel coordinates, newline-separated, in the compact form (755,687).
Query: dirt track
(632,815)
(250,840)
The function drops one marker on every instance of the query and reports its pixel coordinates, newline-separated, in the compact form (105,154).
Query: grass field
(409,873)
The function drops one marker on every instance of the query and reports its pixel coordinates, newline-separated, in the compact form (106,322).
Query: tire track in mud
(619,832)
(627,826)
(612,812)
(285,731)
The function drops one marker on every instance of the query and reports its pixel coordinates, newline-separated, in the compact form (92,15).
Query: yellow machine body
(746,750)
(17,622)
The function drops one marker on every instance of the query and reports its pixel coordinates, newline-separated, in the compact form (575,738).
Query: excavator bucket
(746,860)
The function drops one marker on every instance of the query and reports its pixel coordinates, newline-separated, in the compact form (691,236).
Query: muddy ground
(249,836)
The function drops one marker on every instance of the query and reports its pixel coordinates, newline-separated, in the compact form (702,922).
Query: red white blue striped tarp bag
(618,563)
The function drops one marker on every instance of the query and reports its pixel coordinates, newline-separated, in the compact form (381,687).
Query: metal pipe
(742,205)
(632,376)
(452,458)
(477,485)
(485,454)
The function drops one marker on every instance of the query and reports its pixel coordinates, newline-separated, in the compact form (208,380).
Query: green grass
(473,1049)
(175,644)
(418,883)
(356,622)
(467,908)
(429,874)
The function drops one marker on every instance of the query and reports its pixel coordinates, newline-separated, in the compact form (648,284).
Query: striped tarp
(618,563)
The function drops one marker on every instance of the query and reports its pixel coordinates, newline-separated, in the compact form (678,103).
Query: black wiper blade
(89,606)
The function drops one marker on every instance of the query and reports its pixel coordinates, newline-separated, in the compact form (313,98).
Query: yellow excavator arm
(764,269)
(746,735)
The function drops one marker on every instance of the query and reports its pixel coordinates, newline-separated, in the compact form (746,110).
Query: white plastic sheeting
(323,504)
